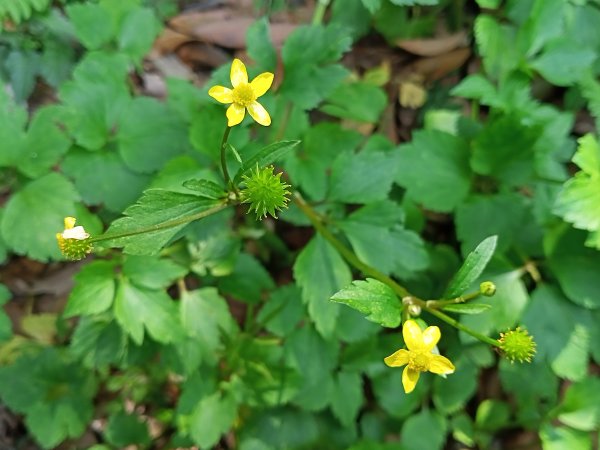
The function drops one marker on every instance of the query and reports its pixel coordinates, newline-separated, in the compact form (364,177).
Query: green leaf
(282,311)
(315,44)
(434,169)
(267,155)
(580,407)
(150,134)
(93,24)
(205,188)
(13,119)
(44,144)
(259,45)
(564,343)
(476,87)
(579,200)
(23,67)
(5,322)
(496,44)
(575,267)
(320,272)
(452,393)
(563,61)
(504,150)
(374,299)
(560,438)
(152,272)
(372,5)
(94,289)
(356,101)
(212,417)
(492,415)
(467,308)
(154,208)
(363,177)
(138,30)
(35,214)
(415,2)
(347,397)
(205,316)
(248,281)
(52,391)
(125,429)
(489,4)
(89,169)
(137,308)
(98,341)
(472,268)
(95,98)
(424,431)
(307,86)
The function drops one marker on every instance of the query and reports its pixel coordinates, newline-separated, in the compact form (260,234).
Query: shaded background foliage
(425,126)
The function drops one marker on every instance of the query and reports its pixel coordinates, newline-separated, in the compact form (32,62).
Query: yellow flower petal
(69,222)
(397,359)
(262,83)
(413,336)
(221,94)
(409,379)
(259,113)
(235,114)
(431,337)
(238,73)
(440,365)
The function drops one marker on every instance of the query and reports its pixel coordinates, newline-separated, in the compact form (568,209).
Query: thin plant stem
(224,156)
(455,323)
(319,13)
(162,226)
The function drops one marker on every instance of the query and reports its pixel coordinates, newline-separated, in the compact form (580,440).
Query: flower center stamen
(419,361)
(244,95)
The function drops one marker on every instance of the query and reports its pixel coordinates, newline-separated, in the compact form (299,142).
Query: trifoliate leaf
(374,299)
(35,214)
(434,169)
(320,272)
(140,309)
(155,208)
(472,268)
(94,289)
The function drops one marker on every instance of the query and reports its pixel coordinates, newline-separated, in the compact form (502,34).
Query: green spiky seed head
(487,288)
(265,192)
(517,345)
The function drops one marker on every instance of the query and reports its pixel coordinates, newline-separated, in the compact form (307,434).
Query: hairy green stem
(367,270)
(162,226)
(461,299)
(224,156)
(319,13)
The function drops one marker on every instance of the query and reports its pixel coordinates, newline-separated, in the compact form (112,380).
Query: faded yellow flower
(73,241)
(243,95)
(419,357)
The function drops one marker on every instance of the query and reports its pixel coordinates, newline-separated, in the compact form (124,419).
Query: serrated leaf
(363,177)
(563,61)
(374,299)
(140,309)
(496,43)
(212,417)
(347,397)
(205,188)
(320,271)
(259,45)
(34,215)
(124,429)
(467,308)
(89,169)
(434,168)
(93,24)
(154,208)
(98,341)
(356,101)
(138,29)
(267,155)
(149,135)
(472,268)
(94,289)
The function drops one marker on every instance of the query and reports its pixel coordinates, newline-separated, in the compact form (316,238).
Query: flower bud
(414,310)
(487,288)
(517,345)
(74,242)
(265,192)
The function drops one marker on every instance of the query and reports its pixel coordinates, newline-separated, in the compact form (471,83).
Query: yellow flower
(73,241)
(243,95)
(419,357)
